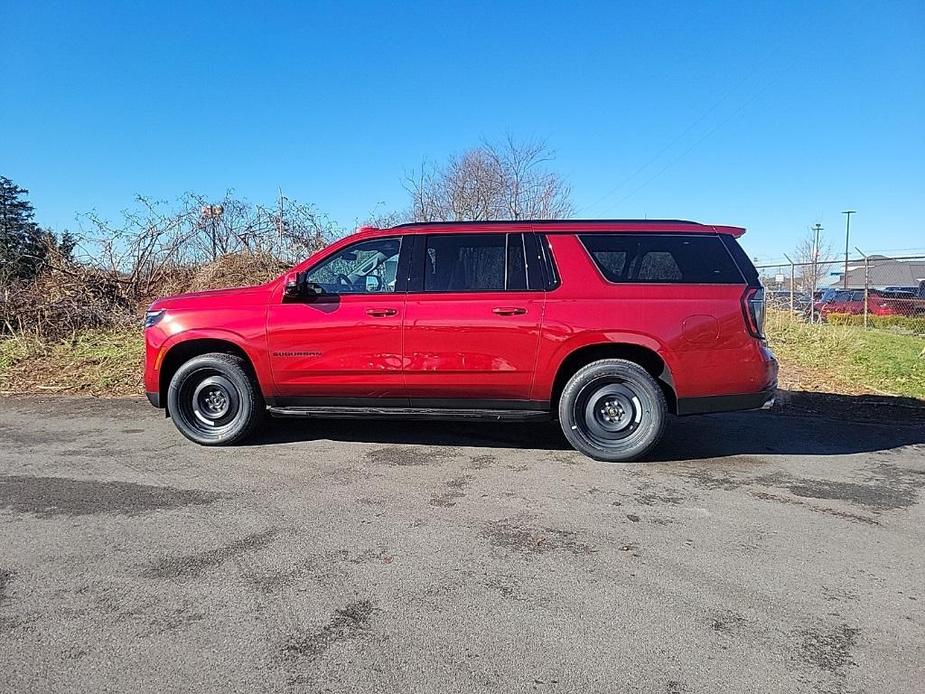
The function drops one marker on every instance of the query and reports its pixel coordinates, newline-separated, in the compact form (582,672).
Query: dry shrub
(64,298)
(236,270)
(115,270)
(68,297)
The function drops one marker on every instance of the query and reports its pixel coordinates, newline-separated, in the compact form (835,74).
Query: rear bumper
(728,403)
(154,398)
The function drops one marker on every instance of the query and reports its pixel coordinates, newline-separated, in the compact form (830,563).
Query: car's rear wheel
(214,400)
(613,410)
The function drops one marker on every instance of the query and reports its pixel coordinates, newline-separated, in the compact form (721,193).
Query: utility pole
(847,214)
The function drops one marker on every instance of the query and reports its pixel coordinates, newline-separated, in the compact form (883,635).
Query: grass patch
(876,360)
(93,362)
(833,358)
(899,324)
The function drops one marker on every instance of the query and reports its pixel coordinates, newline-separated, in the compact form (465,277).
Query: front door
(471,321)
(344,341)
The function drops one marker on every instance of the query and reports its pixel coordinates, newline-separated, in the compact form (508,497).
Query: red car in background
(879,303)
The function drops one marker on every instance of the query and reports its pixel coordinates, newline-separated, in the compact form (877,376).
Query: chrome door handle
(509,310)
(381,312)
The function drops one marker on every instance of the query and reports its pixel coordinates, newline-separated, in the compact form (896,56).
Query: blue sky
(768,115)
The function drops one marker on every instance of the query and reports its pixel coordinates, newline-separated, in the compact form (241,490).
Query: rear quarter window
(662,258)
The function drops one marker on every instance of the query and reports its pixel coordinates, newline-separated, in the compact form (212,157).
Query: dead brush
(236,270)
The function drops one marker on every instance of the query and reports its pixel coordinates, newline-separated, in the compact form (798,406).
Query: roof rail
(550,221)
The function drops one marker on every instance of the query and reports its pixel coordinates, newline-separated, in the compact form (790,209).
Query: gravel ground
(754,552)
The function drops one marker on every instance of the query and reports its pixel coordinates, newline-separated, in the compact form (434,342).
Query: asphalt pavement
(763,551)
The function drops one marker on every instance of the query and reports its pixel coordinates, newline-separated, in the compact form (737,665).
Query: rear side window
(662,258)
(516,263)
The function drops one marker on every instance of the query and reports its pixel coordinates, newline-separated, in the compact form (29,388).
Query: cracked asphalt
(754,552)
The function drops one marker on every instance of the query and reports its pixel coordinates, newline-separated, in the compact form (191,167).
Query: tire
(214,401)
(612,410)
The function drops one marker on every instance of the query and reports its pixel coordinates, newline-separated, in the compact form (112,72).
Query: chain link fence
(874,291)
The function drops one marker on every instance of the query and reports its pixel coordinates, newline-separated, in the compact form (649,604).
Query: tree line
(55,284)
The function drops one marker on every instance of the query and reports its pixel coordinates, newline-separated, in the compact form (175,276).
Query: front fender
(160,340)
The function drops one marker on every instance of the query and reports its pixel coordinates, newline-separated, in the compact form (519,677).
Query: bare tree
(507,180)
(381,218)
(813,263)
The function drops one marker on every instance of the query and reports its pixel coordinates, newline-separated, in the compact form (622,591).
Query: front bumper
(153,397)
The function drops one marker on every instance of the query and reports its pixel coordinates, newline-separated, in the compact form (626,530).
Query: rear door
(472,320)
(343,345)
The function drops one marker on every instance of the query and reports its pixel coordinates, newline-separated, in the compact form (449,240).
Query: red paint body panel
(337,348)
(586,310)
(505,345)
(458,346)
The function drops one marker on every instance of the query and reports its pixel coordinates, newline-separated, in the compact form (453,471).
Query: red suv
(607,326)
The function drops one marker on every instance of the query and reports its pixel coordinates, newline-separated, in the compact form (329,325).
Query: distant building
(884,272)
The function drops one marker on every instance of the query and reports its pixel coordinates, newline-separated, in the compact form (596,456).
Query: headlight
(152,317)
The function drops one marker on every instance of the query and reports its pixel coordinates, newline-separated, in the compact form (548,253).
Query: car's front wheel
(613,410)
(214,400)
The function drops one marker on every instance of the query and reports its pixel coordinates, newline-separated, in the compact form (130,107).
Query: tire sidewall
(654,411)
(199,367)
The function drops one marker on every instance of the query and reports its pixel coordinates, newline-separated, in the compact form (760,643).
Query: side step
(408,413)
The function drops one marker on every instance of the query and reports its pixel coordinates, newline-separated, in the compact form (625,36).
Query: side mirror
(294,285)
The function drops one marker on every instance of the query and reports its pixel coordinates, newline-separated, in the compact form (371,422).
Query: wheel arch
(184,350)
(647,357)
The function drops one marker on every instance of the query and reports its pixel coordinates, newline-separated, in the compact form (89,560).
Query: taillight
(753,308)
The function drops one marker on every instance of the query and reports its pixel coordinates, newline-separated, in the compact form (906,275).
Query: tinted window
(474,262)
(672,258)
(549,263)
(366,267)
(516,266)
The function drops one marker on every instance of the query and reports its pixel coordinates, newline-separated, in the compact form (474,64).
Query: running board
(408,413)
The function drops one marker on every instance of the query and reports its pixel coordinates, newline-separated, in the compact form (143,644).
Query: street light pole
(817,227)
(211,214)
(847,214)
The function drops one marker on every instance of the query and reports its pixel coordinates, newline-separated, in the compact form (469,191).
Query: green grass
(96,362)
(879,360)
(109,362)
(900,324)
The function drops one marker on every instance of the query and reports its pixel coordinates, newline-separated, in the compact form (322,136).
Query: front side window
(368,267)
(662,258)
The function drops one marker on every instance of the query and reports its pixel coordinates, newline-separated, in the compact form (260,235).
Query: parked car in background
(879,303)
(607,326)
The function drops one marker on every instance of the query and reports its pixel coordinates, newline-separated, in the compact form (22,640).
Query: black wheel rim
(209,402)
(609,410)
